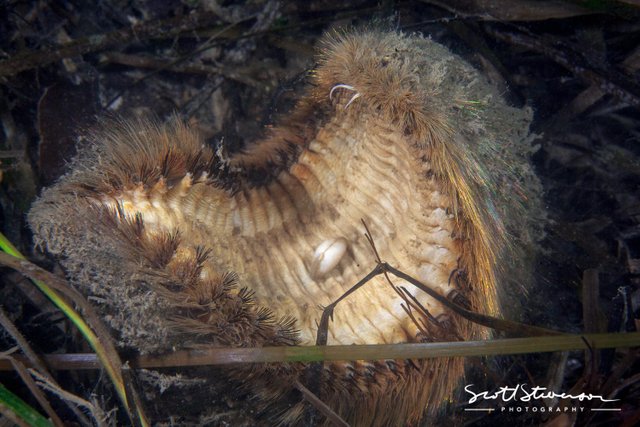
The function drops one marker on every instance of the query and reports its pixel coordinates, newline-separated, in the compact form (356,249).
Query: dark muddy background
(231,67)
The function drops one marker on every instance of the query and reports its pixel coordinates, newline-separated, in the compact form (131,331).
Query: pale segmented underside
(269,235)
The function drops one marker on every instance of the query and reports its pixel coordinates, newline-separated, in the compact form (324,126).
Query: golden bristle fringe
(186,248)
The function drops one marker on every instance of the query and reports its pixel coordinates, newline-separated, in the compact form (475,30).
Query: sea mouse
(184,246)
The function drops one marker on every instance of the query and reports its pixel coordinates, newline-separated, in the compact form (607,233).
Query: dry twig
(163,29)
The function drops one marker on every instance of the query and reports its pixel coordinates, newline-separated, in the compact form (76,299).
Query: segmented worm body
(185,246)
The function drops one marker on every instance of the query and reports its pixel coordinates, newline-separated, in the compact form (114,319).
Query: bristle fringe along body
(187,249)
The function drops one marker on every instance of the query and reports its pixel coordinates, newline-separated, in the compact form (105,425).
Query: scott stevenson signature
(520,392)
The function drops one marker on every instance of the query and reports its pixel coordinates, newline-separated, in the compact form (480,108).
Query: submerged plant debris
(229,68)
